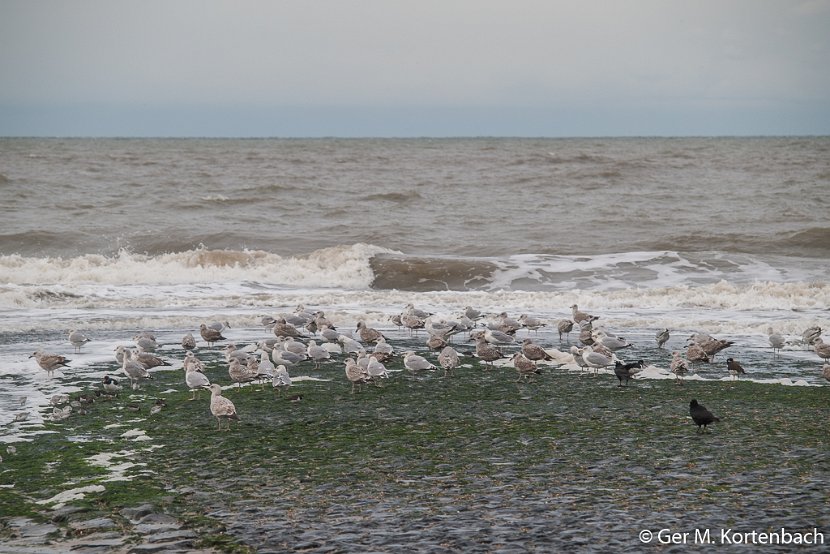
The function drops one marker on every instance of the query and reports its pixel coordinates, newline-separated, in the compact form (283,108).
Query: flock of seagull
(310,337)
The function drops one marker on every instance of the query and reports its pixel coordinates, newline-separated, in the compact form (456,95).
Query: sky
(305,68)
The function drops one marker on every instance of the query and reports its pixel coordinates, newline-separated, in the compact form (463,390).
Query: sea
(725,236)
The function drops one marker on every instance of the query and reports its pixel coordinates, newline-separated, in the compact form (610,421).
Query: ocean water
(728,236)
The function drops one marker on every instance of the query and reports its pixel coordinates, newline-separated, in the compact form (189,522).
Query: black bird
(735,368)
(700,415)
(625,371)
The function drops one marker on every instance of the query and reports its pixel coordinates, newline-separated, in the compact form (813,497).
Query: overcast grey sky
(414,68)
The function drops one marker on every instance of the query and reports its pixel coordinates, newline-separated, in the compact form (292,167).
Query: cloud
(530,54)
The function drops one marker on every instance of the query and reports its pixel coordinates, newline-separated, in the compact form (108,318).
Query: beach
(722,236)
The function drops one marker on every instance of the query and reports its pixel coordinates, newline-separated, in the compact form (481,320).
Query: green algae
(425,441)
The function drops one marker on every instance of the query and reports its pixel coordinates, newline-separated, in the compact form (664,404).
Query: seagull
(188,342)
(284,329)
(221,407)
(412,322)
(49,362)
(435,342)
(195,380)
(78,339)
(679,367)
(701,416)
(281,379)
(586,333)
(210,335)
(290,344)
(350,346)
(709,344)
(192,363)
(219,325)
(472,313)
(384,348)
(494,336)
(821,348)
(776,340)
(505,324)
(564,326)
(413,362)
(735,368)
(662,337)
(134,370)
(145,343)
(412,310)
(532,323)
(148,360)
(376,370)
(317,353)
(355,374)
(696,353)
(579,317)
(239,373)
(368,334)
(448,359)
(810,335)
(595,359)
(525,367)
(626,371)
(487,352)
(578,359)
(825,371)
(534,352)
(610,342)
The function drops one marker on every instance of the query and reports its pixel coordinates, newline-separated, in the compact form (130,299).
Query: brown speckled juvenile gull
(209,335)
(355,374)
(448,359)
(534,352)
(822,348)
(49,362)
(579,316)
(679,367)
(525,367)
(564,326)
(221,407)
(487,352)
(368,334)
(188,342)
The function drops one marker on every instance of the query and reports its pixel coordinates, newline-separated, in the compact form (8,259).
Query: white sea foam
(340,266)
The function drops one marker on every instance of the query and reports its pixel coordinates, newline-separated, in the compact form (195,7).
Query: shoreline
(474,461)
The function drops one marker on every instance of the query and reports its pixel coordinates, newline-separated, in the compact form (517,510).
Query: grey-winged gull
(77,339)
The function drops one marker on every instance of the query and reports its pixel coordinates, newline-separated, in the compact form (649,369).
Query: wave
(333,267)
(814,241)
(534,272)
(364,266)
(811,242)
